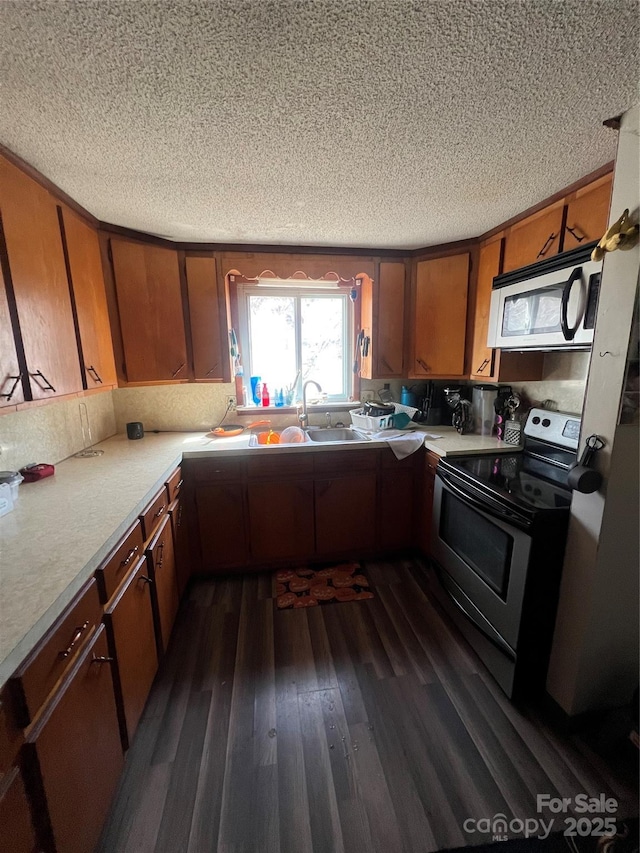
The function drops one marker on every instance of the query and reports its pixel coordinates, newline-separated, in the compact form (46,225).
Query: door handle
(16,380)
(568,331)
(46,386)
(543,250)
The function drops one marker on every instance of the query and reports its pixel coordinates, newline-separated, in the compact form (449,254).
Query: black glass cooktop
(529,483)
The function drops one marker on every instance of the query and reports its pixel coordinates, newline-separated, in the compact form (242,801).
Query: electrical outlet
(231,403)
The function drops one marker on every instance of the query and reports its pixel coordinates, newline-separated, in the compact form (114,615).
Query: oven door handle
(503,514)
(496,641)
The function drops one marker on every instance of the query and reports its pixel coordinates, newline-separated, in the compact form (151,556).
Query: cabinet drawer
(15,815)
(39,674)
(10,734)
(174,485)
(280,465)
(154,513)
(345,461)
(431,461)
(111,574)
(213,470)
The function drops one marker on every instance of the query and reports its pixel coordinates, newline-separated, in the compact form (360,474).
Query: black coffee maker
(432,406)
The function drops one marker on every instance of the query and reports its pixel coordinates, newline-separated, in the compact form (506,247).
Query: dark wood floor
(363,726)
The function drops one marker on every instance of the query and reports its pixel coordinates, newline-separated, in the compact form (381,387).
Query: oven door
(483,550)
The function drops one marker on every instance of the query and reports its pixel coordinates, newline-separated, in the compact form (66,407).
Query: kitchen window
(291,333)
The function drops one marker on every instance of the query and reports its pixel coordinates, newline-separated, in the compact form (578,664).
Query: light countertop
(63,527)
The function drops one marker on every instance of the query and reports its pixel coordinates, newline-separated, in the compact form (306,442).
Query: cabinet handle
(423,365)
(101,659)
(74,640)
(130,556)
(483,365)
(178,487)
(573,233)
(47,386)
(160,511)
(16,380)
(212,369)
(160,554)
(145,579)
(386,364)
(543,250)
(96,375)
(178,369)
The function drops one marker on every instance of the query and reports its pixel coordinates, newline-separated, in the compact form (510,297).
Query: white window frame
(316,289)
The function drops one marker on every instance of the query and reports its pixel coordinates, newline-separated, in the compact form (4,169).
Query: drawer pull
(160,511)
(101,659)
(145,579)
(130,556)
(160,554)
(178,487)
(74,641)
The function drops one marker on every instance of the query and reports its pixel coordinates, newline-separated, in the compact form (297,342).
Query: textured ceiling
(351,123)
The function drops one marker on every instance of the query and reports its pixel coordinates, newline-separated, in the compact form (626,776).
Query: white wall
(594,659)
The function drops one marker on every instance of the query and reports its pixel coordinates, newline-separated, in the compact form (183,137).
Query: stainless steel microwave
(548,305)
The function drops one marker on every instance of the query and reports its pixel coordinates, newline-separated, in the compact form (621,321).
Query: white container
(13,480)
(362,421)
(6,501)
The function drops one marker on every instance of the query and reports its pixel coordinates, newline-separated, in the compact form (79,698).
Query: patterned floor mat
(304,587)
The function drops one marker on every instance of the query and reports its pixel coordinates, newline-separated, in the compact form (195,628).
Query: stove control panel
(557,428)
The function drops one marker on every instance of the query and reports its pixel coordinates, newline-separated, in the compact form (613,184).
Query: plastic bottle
(265,394)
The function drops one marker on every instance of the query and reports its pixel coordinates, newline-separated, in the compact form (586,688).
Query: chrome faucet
(304,417)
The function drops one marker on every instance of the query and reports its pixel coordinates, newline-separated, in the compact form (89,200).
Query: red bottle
(265,394)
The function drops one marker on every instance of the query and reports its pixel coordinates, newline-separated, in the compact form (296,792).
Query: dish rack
(362,421)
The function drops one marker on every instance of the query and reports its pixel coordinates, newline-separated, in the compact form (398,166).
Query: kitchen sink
(330,434)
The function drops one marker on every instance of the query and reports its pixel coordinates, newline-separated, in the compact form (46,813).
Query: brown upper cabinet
(534,238)
(208,319)
(11,390)
(489,266)
(149,297)
(588,213)
(84,264)
(382,318)
(439,317)
(37,278)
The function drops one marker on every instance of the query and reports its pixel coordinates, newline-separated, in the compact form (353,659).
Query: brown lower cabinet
(300,506)
(180,543)
(74,754)
(161,562)
(18,834)
(132,642)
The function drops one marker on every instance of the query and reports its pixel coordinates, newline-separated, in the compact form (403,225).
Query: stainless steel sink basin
(323,436)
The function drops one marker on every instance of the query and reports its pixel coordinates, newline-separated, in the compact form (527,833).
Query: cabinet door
(396,502)
(162,567)
(147,280)
(345,508)
(534,238)
(132,641)
(281,519)
(87,283)
(482,359)
(16,828)
(181,543)
(426,503)
(588,213)
(388,343)
(40,285)
(11,390)
(440,316)
(221,524)
(78,750)
(208,316)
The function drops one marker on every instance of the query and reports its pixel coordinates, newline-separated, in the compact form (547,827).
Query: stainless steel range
(498,539)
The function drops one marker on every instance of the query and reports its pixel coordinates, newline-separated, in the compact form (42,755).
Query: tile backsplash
(52,432)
